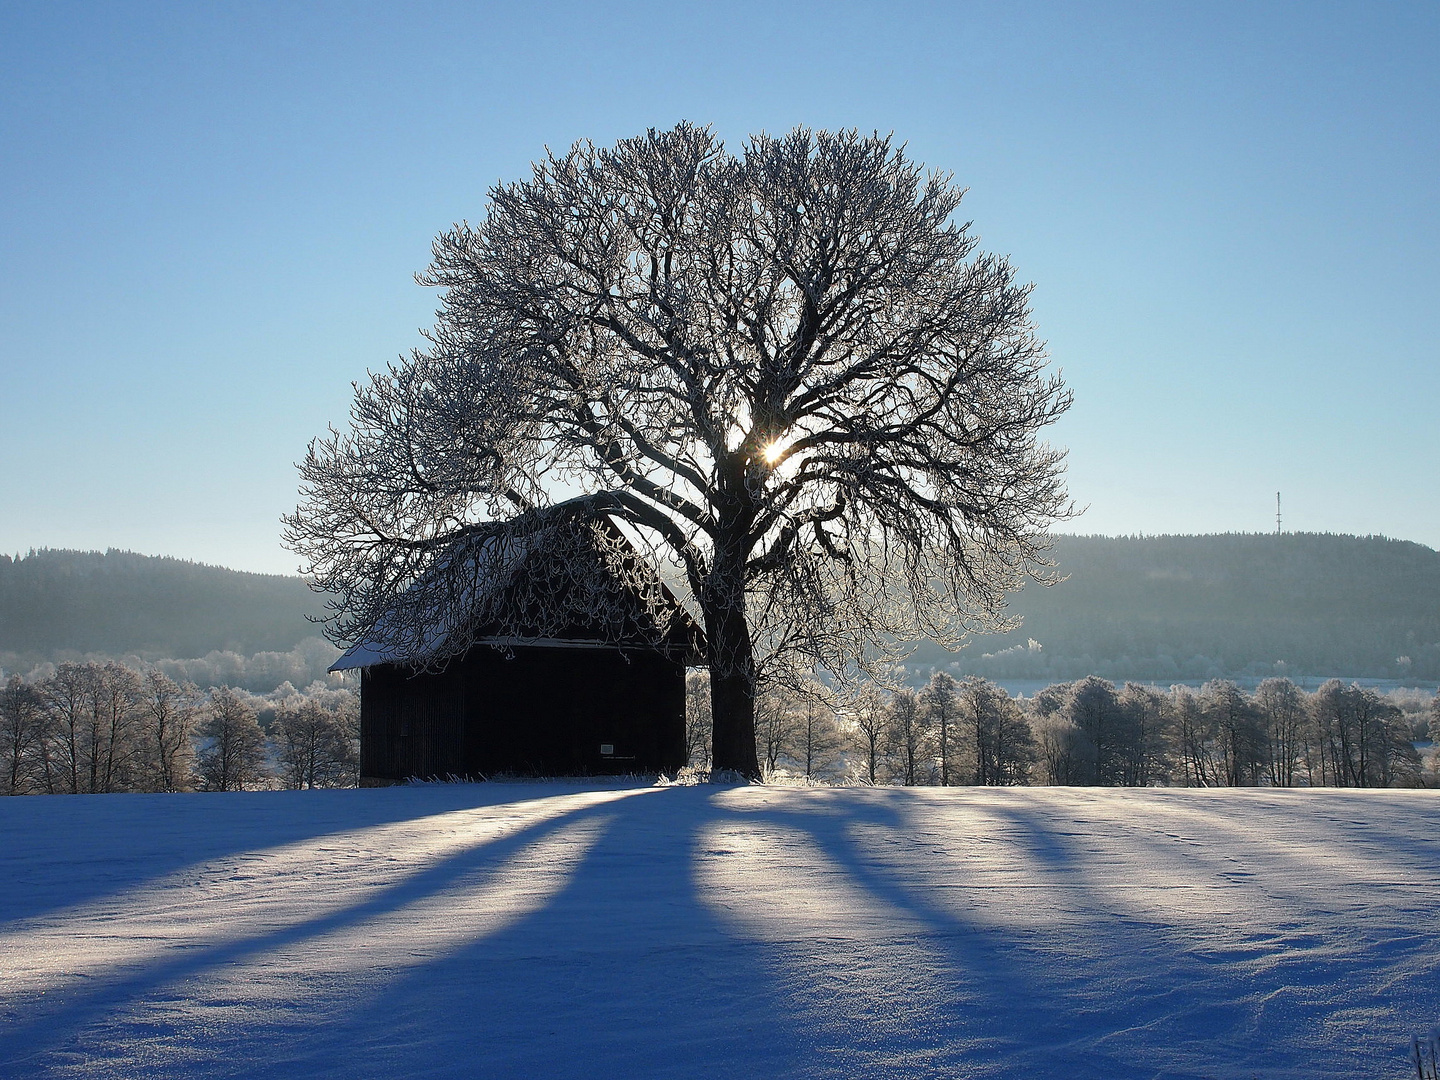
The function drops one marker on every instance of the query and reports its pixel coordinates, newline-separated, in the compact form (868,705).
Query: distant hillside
(1235,604)
(63,602)
(1166,607)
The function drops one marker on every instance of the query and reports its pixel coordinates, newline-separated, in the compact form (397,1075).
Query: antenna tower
(1277,513)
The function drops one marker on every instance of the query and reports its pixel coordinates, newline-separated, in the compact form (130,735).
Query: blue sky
(210,215)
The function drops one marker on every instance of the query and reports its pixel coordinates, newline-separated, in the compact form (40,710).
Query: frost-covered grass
(553,931)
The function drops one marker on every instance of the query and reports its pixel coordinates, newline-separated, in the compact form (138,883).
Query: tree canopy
(790,370)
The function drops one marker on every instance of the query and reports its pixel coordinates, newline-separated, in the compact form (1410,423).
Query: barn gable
(546,647)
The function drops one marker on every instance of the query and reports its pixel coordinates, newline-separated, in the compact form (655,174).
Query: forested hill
(59,602)
(1166,607)
(1234,604)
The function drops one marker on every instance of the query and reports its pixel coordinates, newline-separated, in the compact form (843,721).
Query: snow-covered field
(557,931)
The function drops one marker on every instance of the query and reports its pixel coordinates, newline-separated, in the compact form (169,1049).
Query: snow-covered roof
(533,581)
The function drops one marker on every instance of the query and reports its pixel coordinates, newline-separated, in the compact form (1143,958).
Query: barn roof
(559,577)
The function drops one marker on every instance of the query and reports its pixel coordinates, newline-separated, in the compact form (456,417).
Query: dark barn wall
(538,712)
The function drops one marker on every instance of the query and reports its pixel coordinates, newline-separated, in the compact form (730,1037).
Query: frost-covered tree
(1363,739)
(1235,725)
(1000,742)
(93,718)
(1063,753)
(1193,745)
(1094,707)
(232,752)
(166,729)
(317,747)
(941,708)
(869,729)
(817,738)
(1432,778)
(777,728)
(911,741)
(791,370)
(1061,749)
(115,764)
(697,719)
(22,734)
(1142,752)
(1281,706)
(64,694)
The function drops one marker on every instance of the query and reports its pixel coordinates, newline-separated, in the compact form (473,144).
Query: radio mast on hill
(1277,513)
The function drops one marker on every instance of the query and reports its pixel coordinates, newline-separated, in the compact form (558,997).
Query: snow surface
(529,930)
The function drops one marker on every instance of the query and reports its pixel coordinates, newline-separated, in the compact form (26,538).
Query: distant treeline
(105,727)
(1171,608)
(90,727)
(1091,732)
(259,673)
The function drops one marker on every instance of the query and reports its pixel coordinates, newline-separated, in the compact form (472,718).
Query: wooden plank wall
(531,712)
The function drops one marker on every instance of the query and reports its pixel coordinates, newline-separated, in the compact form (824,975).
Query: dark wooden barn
(566,660)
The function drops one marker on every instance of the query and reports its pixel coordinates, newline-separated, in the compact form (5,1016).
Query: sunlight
(251,895)
(773,452)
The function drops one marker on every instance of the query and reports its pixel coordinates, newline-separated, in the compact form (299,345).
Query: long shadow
(1154,1009)
(33,1038)
(726,1000)
(84,863)
(625,973)
(1413,846)
(1007,1007)
(1270,843)
(1267,1016)
(629,970)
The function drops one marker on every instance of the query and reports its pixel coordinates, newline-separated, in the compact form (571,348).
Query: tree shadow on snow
(636,967)
(146,838)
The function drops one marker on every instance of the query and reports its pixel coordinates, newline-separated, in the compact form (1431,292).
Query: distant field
(533,930)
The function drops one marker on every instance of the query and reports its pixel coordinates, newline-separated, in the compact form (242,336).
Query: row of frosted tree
(107,727)
(1088,732)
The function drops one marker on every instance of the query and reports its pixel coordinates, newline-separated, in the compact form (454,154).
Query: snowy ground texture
(552,931)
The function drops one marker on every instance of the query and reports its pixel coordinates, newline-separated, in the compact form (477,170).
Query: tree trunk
(732,689)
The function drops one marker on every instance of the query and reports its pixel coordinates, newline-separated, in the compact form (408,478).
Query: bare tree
(1364,741)
(1061,749)
(1065,755)
(168,712)
(94,714)
(1235,724)
(1013,752)
(1001,744)
(817,741)
(870,719)
(1191,741)
(232,754)
(910,738)
(941,709)
(697,719)
(1281,706)
(1433,730)
(22,734)
(1095,709)
(114,722)
(777,728)
(1142,755)
(791,370)
(65,695)
(316,745)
